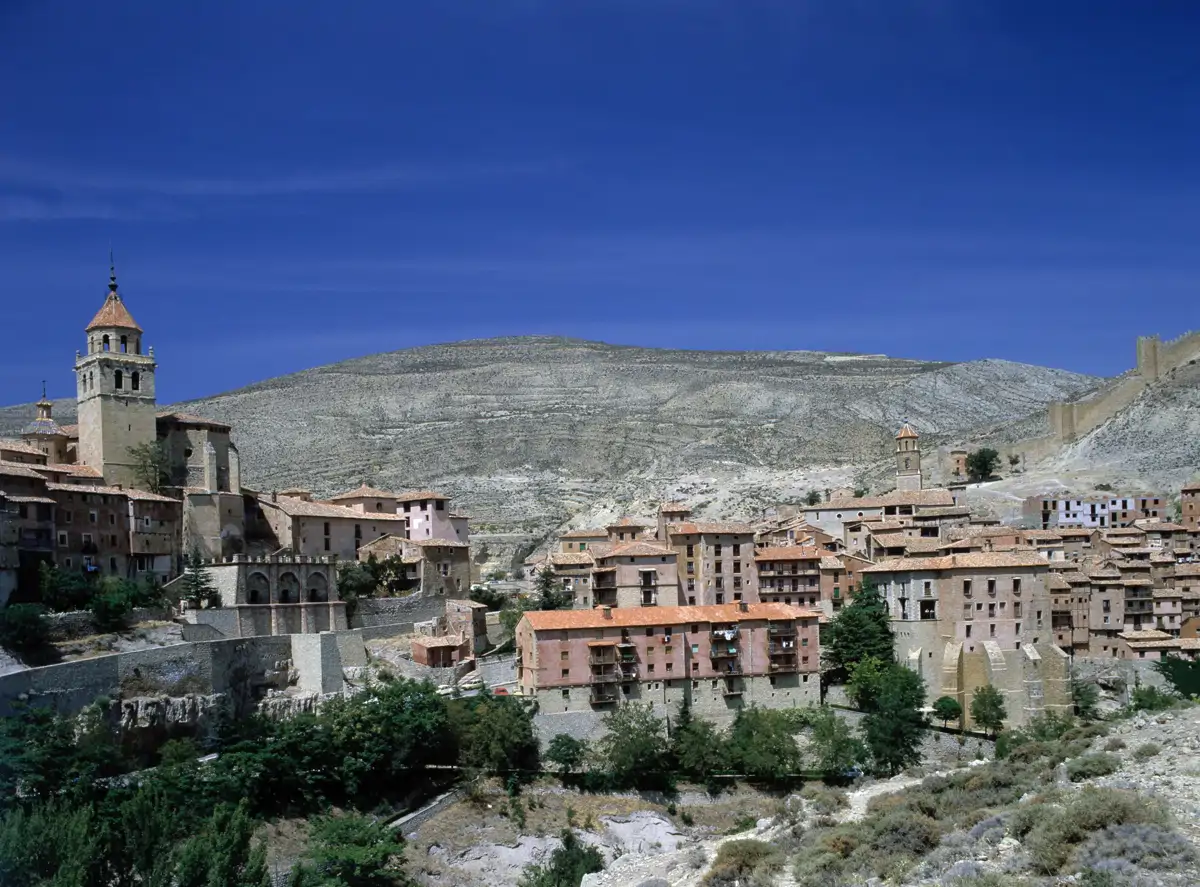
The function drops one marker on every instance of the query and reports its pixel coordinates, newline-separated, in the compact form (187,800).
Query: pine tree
(196,585)
(862,630)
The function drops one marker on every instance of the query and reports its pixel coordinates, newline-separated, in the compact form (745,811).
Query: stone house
(319,529)
(436,567)
(444,651)
(965,620)
(635,574)
(791,574)
(1189,506)
(429,516)
(468,619)
(717,562)
(718,658)
(574,541)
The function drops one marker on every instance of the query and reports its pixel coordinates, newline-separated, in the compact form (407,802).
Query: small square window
(563,655)
(566,693)
(566,672)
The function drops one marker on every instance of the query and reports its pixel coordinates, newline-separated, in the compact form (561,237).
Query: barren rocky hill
(530,431)
(1156,440)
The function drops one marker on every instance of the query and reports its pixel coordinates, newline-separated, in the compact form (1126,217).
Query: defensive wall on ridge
(1070,420)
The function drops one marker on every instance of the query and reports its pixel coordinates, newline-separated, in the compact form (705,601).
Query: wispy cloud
(19,174)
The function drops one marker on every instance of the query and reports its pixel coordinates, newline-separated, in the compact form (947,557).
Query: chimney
(274,496)
(744,606)
(607,612)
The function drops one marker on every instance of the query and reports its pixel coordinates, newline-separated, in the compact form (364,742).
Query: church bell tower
(908,459)
(114,385)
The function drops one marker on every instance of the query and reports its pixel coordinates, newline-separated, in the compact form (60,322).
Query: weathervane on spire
(112,271)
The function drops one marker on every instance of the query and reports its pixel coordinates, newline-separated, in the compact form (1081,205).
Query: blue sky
(291,184)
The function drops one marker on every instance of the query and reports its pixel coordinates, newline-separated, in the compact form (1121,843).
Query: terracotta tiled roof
(1075,577)
(1151,526)
(113,313)
(789,553)
(1188,569)
(829,562)
(571,558)
(94,488)
(300,508)
(636,549)
(19,446)
(1191,488)
(30,500)
(362,492)
(1042,535)
(75,470)
(1167,593)
(713,528)
(585,533)
(418,495)
(192,419)
(434,543)
(18,469)
(635,617)
(631,522)
(1144,635)
(70,430)
(976,560)
(1055,582)
(1073,532)
(672,508)
(906,431)
(449,640)
(1169,644)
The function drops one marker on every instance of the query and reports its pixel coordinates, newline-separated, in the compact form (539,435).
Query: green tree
(151,465)
(1183,675)
(634,748)
(698,749)
(761,745)
(894,728)
(861,630)
(23,628)
(352,850)
(223,853)
(496,735)
(835,746)
(491,598)
(511,615)
(987,708)
(982,464)
(947,709)
(566,752)
(111,604)
(1086,698)
(63,591)
(1013,461)
(567,864)
(812,497)
(196,585)
(551,593)
(863,684)
(355,580)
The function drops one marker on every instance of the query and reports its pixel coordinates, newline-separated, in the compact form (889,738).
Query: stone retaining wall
(81,623)
(390,610)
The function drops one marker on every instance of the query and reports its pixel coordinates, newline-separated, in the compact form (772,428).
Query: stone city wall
(237,667)
(81,623)
(391,610)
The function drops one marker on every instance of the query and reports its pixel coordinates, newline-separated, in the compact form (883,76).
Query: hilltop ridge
(524,431)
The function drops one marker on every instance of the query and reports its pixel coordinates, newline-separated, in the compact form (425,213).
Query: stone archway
(258,589)
(318,588)
(289,588)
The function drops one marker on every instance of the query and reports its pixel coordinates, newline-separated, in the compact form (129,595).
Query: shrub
(1093,809)
(1091,766)
(1151,699)
(738,861)
(1143,844)
(904,833)
(825,801)
(23,628)
(1114,744)
(1030,817)
(1146,751)
(821,868)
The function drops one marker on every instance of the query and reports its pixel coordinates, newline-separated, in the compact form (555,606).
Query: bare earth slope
(528,430)
(1155,440)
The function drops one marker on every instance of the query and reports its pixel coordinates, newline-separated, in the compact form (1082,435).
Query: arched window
(104,343)
(117,379)
(137,346)
(135,381)
(124,344)
(91,382)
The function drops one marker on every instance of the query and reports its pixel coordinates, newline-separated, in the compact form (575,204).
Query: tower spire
(112,271)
